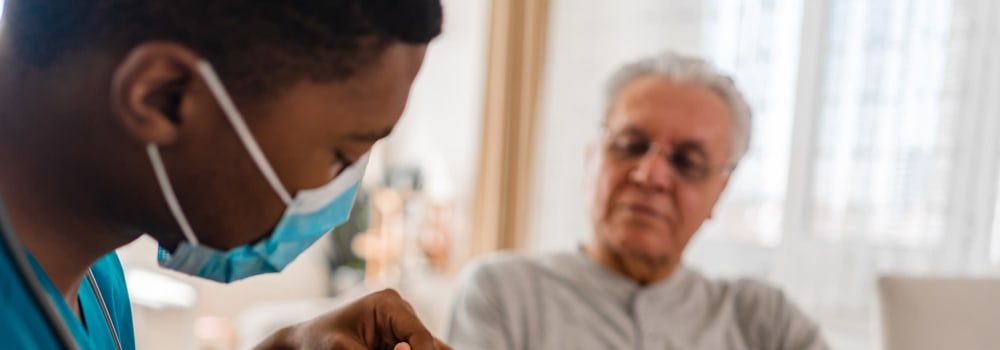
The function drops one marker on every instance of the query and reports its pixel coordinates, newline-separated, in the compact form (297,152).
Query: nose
(652,172)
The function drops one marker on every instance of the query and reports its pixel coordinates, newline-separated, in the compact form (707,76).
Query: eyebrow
(690,144)
(371,136)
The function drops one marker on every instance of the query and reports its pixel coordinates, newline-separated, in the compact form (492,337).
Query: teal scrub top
(26,326)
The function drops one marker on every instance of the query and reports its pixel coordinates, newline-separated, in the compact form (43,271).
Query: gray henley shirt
(567,301)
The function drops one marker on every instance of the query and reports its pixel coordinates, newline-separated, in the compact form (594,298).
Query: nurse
(233,132)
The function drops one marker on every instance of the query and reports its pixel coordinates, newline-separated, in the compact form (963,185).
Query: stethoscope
(104,308)
(27,274)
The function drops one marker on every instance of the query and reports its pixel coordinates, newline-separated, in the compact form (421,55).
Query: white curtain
(893,153)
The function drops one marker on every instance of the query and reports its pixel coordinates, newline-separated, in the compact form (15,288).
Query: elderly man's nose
(653,172)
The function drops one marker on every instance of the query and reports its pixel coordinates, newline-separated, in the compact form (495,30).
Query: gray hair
(681,68)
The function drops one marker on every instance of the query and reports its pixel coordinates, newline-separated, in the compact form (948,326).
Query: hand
(380,320)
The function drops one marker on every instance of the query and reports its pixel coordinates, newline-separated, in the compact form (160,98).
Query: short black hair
(256,45)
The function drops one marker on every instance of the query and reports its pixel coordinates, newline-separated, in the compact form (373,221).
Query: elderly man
(674,131)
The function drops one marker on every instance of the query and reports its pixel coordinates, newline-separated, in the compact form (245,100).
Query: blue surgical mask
(308,216)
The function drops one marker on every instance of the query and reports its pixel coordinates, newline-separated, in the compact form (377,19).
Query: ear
(595,153)
(722,191)
(725,181)
(148,87)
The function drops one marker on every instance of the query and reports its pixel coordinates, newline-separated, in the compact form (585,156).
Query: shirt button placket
(638,321)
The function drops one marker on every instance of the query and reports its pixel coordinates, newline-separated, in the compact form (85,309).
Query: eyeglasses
(689,161)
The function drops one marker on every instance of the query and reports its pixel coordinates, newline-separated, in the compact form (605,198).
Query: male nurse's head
(87,85)
(674,130)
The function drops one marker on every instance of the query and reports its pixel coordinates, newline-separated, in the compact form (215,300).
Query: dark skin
(77,182)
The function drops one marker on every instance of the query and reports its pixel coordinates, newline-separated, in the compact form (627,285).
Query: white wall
(440,131)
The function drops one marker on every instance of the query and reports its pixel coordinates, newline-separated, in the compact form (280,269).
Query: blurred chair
(940,313)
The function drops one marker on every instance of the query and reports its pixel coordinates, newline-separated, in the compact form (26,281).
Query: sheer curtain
(893,154)
(757,42)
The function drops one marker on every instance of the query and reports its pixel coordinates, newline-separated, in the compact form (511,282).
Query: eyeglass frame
(703,172)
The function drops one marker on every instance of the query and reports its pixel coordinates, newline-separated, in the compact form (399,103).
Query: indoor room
(866,203)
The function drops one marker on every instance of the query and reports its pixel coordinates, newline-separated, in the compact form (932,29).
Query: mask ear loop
(168,193)
(245,136)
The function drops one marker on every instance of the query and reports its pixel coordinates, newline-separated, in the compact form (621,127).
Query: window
(880,163)
(756,41)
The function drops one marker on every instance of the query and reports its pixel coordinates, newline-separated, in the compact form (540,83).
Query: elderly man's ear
(591,160)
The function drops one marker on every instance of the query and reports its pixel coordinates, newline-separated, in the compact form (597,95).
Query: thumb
(400,324)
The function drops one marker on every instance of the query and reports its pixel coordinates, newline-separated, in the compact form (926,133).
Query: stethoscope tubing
(27,275)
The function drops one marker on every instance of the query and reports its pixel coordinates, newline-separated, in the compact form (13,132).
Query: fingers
(439,345)
(396,315)
(380,320)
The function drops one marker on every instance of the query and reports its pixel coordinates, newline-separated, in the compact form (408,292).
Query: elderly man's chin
(651,243)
